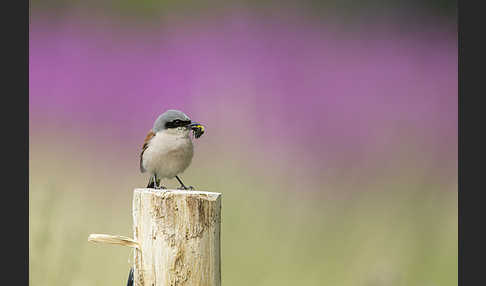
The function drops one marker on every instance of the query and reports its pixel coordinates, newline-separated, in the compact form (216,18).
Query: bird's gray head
(177,120)
(171,119)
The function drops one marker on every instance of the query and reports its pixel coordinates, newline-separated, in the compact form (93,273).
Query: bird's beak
(197,129)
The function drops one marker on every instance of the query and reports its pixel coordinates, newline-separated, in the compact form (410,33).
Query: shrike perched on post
(167,150)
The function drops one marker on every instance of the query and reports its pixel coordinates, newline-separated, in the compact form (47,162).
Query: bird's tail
(130,278)
(151,183)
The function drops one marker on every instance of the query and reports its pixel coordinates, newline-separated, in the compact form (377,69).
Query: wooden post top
(176,192)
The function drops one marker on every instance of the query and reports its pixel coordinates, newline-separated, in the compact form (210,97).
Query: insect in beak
(197,129)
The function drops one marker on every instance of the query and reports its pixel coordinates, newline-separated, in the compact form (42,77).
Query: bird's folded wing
(150,135)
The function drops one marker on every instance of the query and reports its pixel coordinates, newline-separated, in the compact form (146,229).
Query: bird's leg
(183,187)
(161,187)
(156,185)
(151,183)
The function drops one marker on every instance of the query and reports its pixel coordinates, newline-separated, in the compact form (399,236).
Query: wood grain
(178,233)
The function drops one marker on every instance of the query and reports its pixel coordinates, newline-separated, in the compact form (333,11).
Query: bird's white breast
(168,154)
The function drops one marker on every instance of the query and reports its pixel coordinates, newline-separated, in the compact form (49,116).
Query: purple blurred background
(291,102)
(285,81)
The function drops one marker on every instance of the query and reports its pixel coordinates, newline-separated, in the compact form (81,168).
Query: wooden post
(178,236)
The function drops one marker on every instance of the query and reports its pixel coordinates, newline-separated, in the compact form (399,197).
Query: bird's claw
(186,188)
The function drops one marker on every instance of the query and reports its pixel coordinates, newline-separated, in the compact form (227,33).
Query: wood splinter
(113,239)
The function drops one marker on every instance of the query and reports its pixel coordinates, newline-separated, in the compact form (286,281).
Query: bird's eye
(177,121)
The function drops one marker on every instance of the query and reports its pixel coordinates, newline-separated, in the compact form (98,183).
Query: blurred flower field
(335,147)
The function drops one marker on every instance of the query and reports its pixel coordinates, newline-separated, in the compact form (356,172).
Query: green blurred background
(331,132)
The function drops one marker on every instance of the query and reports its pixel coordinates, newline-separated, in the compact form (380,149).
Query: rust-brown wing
(150,135)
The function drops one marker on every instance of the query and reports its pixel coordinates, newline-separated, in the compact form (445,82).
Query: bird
(167,150)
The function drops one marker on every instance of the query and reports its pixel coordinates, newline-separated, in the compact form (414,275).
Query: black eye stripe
(177,123)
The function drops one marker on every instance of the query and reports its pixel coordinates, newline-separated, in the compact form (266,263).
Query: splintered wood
(112,239)
(178,234)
